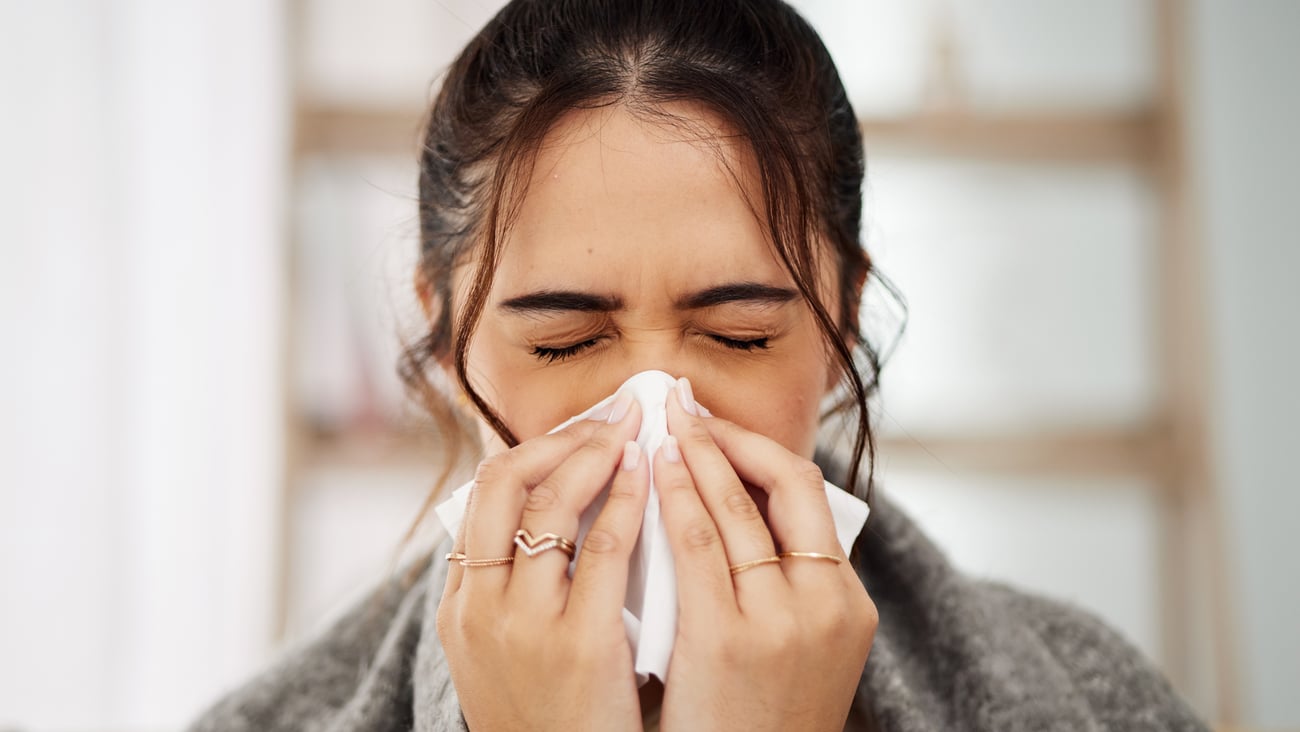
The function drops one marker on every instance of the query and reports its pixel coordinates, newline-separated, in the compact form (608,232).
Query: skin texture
(635,219)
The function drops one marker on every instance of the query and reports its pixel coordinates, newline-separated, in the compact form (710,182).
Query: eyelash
(551,355)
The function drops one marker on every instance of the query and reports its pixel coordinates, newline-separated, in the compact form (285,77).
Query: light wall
(140,274)
(1244,111)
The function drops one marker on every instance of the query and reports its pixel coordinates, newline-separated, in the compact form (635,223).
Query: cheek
(781,399)
(787,412)
(522,398)
(532,398)
(787,407)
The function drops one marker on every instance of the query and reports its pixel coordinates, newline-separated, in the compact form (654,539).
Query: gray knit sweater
(950,653)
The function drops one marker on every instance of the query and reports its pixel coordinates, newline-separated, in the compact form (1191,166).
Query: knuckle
(866,612)
(779,640)
(810,474)
(696,431)
(570,439)
(444,621)
(724,429)
(622,490)
(733,650)
(579,429)
(857,625)
(835,618)
(740,505)
(676,482)
(493,468)
(868,628)
(542,498)
(517,633)
(564,442)
(701,535)
(782,634)
(599,443)
(602,541)
(465,627)
(721,425)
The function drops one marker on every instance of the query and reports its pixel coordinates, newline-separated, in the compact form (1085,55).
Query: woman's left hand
(779,646)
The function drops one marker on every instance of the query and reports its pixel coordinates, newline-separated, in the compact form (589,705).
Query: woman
(611,186)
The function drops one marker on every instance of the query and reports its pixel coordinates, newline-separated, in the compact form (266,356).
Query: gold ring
(738,568)
(812,555)
(533,546)
(465,561)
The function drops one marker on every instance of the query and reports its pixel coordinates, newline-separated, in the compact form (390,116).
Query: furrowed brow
(737,292)
(559,301)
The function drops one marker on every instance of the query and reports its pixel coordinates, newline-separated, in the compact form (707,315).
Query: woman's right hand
(527,647)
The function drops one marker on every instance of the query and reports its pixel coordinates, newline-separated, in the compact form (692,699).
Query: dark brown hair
(755,63)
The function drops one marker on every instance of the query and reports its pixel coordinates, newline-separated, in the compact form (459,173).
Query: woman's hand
(527,647)
(780,646)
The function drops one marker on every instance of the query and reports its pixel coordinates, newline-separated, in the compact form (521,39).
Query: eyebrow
(554,301)
(561,301)
(741,292)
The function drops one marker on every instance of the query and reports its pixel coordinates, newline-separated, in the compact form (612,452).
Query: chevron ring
(533,546)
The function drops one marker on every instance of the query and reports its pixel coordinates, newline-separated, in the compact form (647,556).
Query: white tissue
(650,607)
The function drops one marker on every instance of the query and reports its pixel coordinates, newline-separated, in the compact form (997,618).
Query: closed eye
(559,353)
(742,345)
(552,354)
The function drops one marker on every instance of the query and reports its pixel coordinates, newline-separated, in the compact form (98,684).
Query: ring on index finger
(812,555)
(738,568)
(464,561)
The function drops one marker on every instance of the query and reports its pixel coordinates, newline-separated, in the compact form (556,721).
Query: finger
(501,486)
(600,580)
(455,572)
(704,584)
(798,510)
(745,535)
(555,505)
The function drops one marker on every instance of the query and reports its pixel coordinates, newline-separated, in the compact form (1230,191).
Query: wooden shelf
(1076,453)
(1068,137)
(1065,136)
(1090,453)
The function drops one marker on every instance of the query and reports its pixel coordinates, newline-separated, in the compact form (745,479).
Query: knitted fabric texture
(950,653)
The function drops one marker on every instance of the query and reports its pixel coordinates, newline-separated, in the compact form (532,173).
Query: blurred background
(208,233)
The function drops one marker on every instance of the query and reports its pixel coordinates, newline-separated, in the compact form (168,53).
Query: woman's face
(634,249)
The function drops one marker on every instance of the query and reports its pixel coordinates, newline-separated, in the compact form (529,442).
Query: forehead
(614,189)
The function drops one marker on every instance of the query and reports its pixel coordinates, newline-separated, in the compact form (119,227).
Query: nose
(660,354)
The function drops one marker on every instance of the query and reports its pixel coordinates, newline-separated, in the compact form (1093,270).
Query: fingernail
(631,455)
(686,396)
(601,414)
(703,412)
(671,453)
(621,407)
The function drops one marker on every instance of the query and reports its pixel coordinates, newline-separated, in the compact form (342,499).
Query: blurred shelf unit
(1096,453)
(1039,136)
